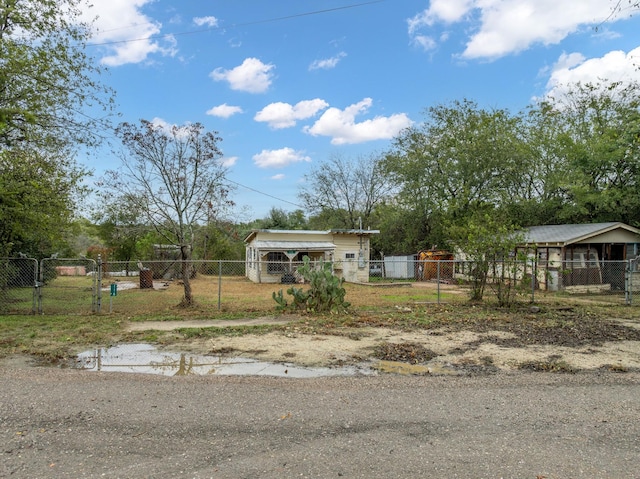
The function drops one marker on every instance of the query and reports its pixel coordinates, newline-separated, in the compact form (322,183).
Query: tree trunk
(187,300)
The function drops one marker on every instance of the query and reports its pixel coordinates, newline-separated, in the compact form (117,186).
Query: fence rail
(81,285)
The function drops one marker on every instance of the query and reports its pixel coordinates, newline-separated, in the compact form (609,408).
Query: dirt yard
(566,341)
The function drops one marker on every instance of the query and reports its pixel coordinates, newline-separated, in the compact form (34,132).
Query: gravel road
(69,423)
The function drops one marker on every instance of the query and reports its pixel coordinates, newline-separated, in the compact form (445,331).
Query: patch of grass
(408,352)
(55,336)
(553,364)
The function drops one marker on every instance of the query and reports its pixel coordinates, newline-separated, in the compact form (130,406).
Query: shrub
(325,292)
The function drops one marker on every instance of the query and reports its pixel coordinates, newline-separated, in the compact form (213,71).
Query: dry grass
(68,324)
(237,296)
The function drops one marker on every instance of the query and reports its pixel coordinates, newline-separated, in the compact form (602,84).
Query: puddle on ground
(145,358)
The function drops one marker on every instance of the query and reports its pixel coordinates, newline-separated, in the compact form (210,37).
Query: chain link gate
(68,284)
(632,280)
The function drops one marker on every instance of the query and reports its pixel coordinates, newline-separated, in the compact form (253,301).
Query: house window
(276,262)
(349,256)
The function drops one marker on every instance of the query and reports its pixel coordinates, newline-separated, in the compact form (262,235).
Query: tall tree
(119,226)
(346,191)
(461,160)
(536,193)
(46,77)
(174,178)
(47,84)
(38,195)
(279,219)
(597,129)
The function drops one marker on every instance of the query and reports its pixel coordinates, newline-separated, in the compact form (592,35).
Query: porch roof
(294,245)
(563,235)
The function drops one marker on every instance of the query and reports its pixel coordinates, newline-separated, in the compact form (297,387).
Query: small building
(573,256)
(400,267)
(273,256)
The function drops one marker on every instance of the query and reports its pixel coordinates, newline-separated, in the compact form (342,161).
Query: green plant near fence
(325,291)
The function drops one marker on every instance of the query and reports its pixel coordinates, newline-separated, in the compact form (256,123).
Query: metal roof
(294,245)
(567,234)
(253,233)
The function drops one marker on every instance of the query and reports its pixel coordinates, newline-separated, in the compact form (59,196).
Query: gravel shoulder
(74,424)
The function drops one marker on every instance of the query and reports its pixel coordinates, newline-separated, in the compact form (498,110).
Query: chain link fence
(18,285)
(81,285)
(607,281)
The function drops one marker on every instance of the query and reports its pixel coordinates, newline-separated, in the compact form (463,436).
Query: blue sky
(287,84)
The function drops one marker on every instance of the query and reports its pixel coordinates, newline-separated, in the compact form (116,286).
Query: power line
(236,25)
(263,193)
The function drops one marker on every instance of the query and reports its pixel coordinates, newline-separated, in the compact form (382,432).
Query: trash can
(146,279)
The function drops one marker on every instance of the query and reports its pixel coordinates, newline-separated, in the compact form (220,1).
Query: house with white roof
(273,256)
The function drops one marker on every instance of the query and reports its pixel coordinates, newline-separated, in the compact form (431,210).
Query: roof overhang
(266,245)
(355,232)
(566,235)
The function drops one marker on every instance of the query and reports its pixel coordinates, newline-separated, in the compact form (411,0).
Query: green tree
(38,195)
(597,128)
(120,225)
(220,240)
(175,181)
(489,244)
(46,77)
(47,85)
(461,161)
(536,194)
(279,219)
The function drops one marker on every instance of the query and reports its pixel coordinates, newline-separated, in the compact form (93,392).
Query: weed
(553,364)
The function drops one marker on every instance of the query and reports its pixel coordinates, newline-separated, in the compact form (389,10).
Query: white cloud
(327,63)
(615,66)
(447,11)
(252,76)
(424,42)
(206,21)
(283,115)
(279,158)
(342,127)
(228,161)
(163,124)
(278,177)
(224,111)
(132,43)
(503,27)
(170,129)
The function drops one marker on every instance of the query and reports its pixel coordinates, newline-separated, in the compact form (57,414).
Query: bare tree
(174,178)
(346,191)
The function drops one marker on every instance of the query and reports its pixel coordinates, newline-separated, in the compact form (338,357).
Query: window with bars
(276,262)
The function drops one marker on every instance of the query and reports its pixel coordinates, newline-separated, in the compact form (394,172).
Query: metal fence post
(219,284)
(534,274)
(438,278)
(98,296)
(628,283)
(40,284)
